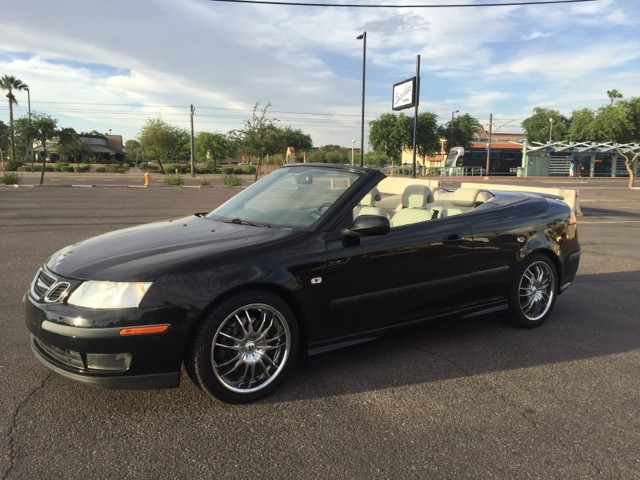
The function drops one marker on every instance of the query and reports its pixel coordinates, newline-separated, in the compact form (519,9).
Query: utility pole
(415,115)
(193,163)
(489,143)
(363,37)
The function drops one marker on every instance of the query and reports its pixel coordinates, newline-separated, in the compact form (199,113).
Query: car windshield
(296,198)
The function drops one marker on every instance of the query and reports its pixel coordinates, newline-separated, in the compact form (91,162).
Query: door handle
(453,239)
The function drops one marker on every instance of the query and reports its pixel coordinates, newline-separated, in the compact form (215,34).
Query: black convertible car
(308,259)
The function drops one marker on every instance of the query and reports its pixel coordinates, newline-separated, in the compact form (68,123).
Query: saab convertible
(310,258)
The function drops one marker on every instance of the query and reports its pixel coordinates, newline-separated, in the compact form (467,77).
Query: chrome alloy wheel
(250,348)
(536,291)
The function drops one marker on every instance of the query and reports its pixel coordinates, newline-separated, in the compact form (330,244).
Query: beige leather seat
(414,206)
(366,205)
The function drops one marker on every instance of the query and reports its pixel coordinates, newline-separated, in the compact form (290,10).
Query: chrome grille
(46,287)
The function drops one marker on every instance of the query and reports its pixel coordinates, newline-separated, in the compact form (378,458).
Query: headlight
(109,294)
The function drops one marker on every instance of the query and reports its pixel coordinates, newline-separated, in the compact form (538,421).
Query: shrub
(177,168)
(38,168)
(231,180)
(118,168)
(209,167)
(228,170)
(101,169)
(173,180)
(205,182)
(60,166)
(12,165)
(10,178)
(248,170)
(84,167)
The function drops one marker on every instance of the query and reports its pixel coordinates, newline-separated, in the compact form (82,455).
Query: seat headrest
(416,196)
(465,197)
(370,198)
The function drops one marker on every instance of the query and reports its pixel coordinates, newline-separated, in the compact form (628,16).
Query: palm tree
(10,83)
(614,95)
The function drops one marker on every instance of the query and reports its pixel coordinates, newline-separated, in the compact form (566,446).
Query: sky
(112,65)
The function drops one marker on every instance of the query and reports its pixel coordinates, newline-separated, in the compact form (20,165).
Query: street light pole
(363,36)
(550,129)
(353,149)
(29,144)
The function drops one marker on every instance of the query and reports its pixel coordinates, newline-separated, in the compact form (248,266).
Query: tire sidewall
(200,352)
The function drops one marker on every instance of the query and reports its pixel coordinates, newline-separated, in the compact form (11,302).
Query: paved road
(465,399)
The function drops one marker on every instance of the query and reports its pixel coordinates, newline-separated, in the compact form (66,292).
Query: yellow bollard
(146,179)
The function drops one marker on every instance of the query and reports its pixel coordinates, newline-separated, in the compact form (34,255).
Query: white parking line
(600,222)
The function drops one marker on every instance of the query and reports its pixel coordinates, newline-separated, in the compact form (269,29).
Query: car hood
(145,252)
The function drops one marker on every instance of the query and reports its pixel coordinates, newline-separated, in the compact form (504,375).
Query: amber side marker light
(144,330)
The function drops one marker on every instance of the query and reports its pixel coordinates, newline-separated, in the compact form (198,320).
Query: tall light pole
(550,128)
(29,144)
(353,149)
(363,36)
(451,132)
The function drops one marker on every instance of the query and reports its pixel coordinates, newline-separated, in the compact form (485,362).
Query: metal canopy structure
(582,147)
(585,159)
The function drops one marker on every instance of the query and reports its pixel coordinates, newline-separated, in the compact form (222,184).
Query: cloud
(100,65)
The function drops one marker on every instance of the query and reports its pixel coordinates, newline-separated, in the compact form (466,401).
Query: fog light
(112,362)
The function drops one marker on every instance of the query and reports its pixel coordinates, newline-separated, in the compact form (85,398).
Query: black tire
(244,348)
(534,292)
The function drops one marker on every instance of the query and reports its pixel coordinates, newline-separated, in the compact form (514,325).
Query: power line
(347,5)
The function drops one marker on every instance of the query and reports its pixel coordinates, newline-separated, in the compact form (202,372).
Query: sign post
(406,94)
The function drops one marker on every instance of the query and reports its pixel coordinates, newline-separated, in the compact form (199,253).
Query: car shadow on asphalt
(585,324)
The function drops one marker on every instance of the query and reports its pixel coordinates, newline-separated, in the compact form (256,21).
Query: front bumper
(96,353)
(51,358)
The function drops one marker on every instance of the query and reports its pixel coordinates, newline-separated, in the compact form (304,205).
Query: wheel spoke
(233,339)
(222,365)
(236,348)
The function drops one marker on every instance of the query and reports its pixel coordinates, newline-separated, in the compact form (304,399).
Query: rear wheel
(533,293)
(243,350)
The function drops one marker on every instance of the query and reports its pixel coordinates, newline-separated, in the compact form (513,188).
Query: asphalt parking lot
(462,399)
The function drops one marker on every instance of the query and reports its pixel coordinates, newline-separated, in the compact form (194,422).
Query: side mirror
(367,226)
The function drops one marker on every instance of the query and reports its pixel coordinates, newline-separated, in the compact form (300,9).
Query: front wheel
(244,348)
(534,291)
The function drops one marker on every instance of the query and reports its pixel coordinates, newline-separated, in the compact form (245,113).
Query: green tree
(133,150)
(11,83)
(44,130)
(316,156)
(336,156)
(376,159)
(388,135)
(617,123)
(427,137)
(582,125)
(183,145)
(260,136)
(212,147)
(613,123)
(4,140)
(459,133)
(296,139)
(614,95)
(159,140)
(72,147)
(545,125)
